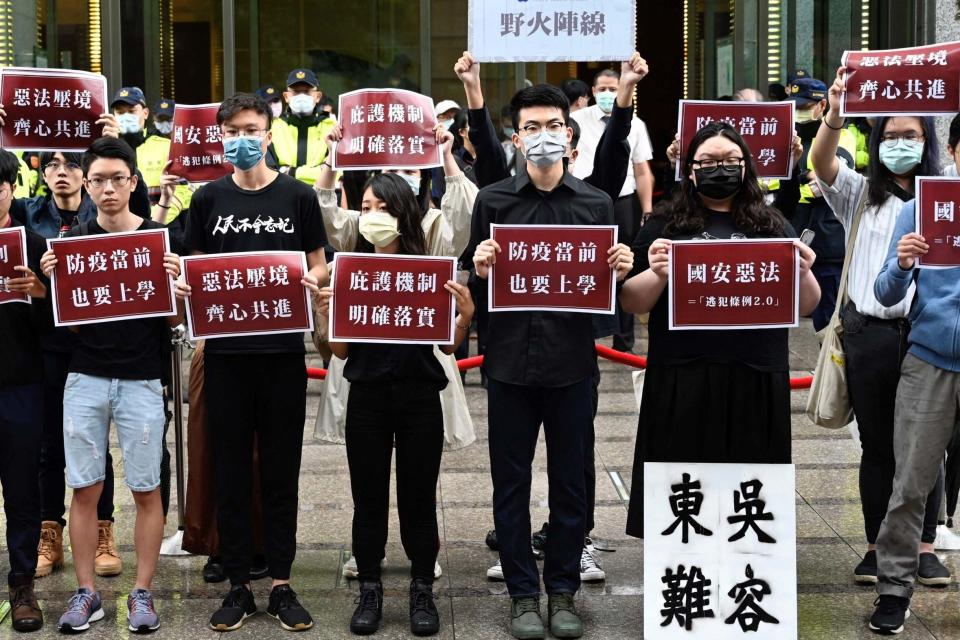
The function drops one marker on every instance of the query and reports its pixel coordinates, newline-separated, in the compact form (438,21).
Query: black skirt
(709,412)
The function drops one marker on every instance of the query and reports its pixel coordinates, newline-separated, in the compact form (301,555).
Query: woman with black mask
(710,396)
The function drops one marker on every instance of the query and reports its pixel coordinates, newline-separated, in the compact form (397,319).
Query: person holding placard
(395,398)
(718,395)
(114,374)
(232,214)
(875,336)
(447,232)
(22,327)
(540,370)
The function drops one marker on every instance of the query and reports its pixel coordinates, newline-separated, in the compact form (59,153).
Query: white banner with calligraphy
(719,556)
(551,30)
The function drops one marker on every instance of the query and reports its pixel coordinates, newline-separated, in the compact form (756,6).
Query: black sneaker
(491,540)
(889,615)
(424,617)
(213,571)
(866,571)
(366,618)
(285,607)
(236,608)
(539,538)
(931,571)
(258,567)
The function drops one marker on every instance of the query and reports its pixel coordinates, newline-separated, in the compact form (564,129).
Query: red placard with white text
(51,109)
(111,276)
(13,253)
(766,127)
(914,81)
(938,221)
(386,128)
(247,294)
(553,268)
(392,298)
(734,284)
(196,144)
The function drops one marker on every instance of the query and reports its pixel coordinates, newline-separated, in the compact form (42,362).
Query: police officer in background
(299,135)
(129,107)
(271,96)
(163,117)
(801,200)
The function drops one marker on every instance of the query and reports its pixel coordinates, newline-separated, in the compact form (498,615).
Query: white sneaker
(590,570)
(350,568)
(495,572)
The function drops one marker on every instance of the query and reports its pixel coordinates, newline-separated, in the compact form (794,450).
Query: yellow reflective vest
(846,149)
(303,159)
(26,178)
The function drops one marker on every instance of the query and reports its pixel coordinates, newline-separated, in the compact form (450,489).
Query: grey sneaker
(564,621)
(84,607)
(525,620)
(141,615)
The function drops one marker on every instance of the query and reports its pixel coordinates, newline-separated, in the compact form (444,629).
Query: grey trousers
(924,419)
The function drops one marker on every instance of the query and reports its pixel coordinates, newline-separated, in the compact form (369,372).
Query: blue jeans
(136,406)
(515,415)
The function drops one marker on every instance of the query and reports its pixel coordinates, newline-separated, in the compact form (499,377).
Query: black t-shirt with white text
(283,216)
(123,349)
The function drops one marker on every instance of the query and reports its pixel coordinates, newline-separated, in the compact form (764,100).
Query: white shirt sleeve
(641,149)
(844,194)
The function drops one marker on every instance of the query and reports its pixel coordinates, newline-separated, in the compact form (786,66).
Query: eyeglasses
(533,129)
(247,133)
(709,165)
(891,139)
(56,166)
(116,181)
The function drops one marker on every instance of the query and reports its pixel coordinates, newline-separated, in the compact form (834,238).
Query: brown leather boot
(25,611)
(50,549)
(107,562)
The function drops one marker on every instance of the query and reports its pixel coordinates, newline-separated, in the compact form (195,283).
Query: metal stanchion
(173,546)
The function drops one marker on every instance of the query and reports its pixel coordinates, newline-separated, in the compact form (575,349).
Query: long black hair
(880,182)
(396,193)
(685,210)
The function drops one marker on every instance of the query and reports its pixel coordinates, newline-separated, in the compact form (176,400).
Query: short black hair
(605,73)
(576,133)
(70,156)
(114,148)
(326,101)
(954,136)
(539,95)
(574,89)
(243,102)
(9,168)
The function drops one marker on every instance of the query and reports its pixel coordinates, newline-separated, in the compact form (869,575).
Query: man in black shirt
(21,410)
(540,368)
(114,375)
(257,384)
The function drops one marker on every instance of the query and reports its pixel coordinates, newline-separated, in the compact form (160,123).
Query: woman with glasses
(875,336)
(710,396)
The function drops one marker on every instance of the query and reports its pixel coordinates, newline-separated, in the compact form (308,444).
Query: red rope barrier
(629,359)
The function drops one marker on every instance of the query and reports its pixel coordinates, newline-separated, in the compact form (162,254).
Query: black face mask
(719,184)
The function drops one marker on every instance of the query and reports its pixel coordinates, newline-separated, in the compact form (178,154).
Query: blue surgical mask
(413,181)
(302,104)
(509,131)
(903,157)
(545,149)
(244,152)
(605,100)
(164,127)
(128,122)
(446,124)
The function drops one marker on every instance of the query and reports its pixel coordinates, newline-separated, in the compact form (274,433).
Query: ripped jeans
(136,406)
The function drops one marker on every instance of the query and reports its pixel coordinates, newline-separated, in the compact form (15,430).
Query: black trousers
(515,415)
(380,415)
(52,462)
(262,394)
(21,428)
(875,350)
(627,214)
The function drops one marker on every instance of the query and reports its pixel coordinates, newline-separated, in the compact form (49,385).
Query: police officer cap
(129,95)
(268,93)
(164,108)
(302,76)
(805,91)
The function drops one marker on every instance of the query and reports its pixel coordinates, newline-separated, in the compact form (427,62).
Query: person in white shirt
(636,197)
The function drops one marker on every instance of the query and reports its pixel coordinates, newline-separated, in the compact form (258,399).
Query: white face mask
(302,104)
(545,149)
(164,127)
(413,181)
(128,122)
(276,108)
(379,228)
